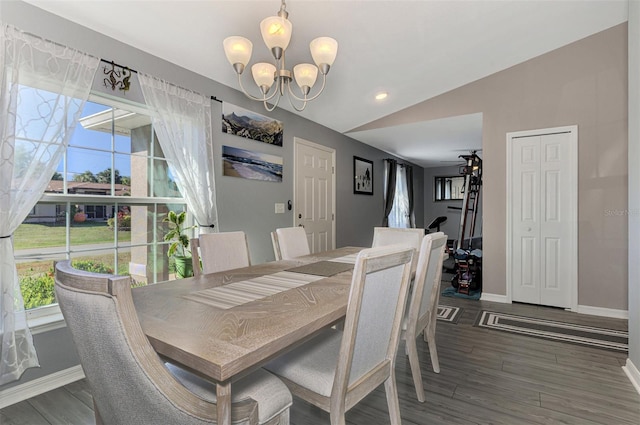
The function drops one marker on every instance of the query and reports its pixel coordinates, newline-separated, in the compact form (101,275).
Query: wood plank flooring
(487,377)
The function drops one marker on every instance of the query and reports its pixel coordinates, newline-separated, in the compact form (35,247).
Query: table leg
(223,396)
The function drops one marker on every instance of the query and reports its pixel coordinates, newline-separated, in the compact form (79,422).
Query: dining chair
(129,382)
(217,252)
(411,237)
(276,246)
(422,308)
(393,235)
(338,368)
(292,242)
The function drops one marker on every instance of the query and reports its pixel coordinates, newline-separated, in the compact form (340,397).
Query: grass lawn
(41,235)
(44,266)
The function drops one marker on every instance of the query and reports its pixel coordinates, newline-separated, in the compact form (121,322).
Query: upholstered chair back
(374,314)
(426,289)
(129,383)
(292,242)
(217,252)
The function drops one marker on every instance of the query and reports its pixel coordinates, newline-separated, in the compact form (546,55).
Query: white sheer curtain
(182,120)
(43,88)
(400,215)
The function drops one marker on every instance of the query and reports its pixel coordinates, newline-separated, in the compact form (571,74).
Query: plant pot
(79,217)
(184,267)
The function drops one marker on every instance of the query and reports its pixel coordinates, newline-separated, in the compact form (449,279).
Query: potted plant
(179,248)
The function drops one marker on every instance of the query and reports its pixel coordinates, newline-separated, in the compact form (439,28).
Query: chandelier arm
(308,99)
(304,101)
(266,105)
(259,99)
(304,105)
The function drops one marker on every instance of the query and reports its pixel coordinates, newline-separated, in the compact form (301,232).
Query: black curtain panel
(391,166)
(409,175)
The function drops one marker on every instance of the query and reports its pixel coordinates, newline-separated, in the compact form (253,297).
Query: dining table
(225,325)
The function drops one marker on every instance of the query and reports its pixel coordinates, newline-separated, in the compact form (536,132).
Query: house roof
(93,188)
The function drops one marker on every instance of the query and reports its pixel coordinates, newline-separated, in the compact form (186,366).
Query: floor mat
(449,314)
(558,331)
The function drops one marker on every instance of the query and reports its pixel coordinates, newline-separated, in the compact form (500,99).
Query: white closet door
(526,219)
(543,218)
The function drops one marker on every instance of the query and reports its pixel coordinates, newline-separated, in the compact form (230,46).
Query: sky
(81,160)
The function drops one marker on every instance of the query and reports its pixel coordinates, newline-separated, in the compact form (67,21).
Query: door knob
(299,215)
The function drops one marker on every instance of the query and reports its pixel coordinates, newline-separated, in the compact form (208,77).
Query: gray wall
(583,84)
(433,209)
(242,204)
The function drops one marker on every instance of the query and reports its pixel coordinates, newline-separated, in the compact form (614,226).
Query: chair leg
(414,362)
(433,351)
(392,399)
(97,414)
(337,418)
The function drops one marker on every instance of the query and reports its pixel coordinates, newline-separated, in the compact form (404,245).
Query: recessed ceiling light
(381,95)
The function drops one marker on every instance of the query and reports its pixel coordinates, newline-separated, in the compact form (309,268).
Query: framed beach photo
(362,176)
(251,165)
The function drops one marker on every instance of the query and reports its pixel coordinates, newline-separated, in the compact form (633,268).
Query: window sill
(45,319)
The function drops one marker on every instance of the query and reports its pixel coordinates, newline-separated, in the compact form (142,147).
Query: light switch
(279,208)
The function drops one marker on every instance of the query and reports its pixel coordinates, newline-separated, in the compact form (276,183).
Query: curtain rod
(101,59)
(401,164)
(134,71)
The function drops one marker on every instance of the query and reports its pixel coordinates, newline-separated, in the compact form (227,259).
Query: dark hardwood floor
(487,377)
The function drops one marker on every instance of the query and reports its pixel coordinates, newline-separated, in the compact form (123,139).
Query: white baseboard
(494,298)
(39,386)
(582,309)
(633,374)
(605,312)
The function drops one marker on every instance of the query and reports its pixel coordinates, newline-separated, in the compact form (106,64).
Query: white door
(314,193)
(542,216)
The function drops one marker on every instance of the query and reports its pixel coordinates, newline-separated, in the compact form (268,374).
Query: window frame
(49,317)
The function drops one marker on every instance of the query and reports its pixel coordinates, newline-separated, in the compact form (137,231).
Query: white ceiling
(414,50)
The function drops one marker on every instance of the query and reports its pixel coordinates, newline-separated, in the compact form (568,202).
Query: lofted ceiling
(413,50)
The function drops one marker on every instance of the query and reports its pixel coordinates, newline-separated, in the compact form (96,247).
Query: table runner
(238,293)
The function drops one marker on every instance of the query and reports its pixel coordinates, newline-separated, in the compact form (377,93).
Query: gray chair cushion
(272,395)
(312,365)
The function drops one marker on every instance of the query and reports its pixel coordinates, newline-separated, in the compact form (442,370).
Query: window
(448,188)
(104,206)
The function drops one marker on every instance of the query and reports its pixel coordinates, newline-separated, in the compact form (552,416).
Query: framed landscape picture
(362,176)
(244,123)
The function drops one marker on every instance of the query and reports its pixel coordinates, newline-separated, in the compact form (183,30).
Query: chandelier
(275,80)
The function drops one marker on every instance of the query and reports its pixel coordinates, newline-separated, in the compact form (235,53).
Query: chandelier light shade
(263,75)
(305,75)
(324,51)
(276,34)
(238,51)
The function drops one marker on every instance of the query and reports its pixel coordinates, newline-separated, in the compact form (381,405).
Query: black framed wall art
(362,176)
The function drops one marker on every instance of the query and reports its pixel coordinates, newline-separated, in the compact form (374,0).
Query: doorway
(542,216)
(314,193)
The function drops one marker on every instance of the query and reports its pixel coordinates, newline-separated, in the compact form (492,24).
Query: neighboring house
(51,213)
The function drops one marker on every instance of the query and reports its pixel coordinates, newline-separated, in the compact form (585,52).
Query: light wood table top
(223,344)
